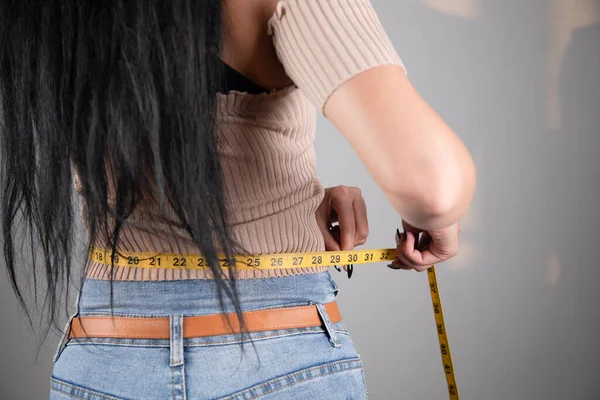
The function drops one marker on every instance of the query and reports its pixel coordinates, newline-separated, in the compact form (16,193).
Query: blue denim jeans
(307,363)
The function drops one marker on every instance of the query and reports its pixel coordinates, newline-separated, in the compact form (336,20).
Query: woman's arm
(339,55)
(418,161)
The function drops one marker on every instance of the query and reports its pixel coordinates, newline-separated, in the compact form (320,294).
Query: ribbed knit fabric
(266,141)
(323,43)
(266,144)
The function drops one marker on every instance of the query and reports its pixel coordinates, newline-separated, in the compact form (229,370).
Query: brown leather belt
(199,326)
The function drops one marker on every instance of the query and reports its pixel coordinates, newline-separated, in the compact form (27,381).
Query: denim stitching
(301,381)
(102,314)
(68,394)
(126,336)
(362,372)
(310,329)
(302,371)
(183,389)
(263,338)
(90,314)
(60,382)
(287,334)
(92,341)
(173,383)
(278,307)
(121,317)
(110,341)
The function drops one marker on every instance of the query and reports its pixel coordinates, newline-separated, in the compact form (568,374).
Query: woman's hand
(346,206)
(432,247)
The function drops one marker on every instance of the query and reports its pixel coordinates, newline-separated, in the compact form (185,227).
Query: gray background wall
(519,80)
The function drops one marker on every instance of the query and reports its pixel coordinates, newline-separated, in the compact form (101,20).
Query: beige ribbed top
(266,141)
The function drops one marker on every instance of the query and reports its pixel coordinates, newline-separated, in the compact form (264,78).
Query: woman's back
(266,148)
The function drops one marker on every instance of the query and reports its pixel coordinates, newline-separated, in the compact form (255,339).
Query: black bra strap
(234,80)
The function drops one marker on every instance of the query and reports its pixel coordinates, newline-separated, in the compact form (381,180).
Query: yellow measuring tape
(288,261)
(441,330)
(265,261)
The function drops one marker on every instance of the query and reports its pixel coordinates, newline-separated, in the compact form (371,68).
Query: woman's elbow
(452,194)
(433,198)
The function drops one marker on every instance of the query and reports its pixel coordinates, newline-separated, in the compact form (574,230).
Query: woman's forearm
(422,166)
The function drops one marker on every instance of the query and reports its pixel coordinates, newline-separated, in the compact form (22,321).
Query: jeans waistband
(176,299)
(199,297)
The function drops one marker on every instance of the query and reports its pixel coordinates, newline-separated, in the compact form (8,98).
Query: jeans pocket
(337,380)
(62,390)
(114,369)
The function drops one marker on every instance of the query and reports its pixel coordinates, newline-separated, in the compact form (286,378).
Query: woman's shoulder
(247,46)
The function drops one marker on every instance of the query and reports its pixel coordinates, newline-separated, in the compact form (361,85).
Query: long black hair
(124,86)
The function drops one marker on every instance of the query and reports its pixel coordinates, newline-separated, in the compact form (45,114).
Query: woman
(188,127)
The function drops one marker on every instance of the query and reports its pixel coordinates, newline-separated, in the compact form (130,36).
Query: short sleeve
(323,43)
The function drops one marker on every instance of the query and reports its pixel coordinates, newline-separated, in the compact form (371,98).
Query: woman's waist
(200,297)
(279,233)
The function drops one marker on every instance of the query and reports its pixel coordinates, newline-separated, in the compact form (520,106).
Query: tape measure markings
(265,261)
(442,337)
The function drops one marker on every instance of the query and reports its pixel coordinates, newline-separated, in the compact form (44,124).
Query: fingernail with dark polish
(398,236)
(350,270)
(338,268)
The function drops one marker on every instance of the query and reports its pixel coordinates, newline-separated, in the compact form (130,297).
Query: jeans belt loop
(176,340)
(333,336)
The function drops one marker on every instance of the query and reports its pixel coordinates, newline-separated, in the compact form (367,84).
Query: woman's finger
(401,262)
(424,242)
(405,261)
(397,264)
(403,248)
(424,259)
(361,221)
(408,248)
(331,242)
(414,257)
(335,232)
(427,259)
(345,212)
